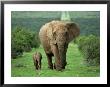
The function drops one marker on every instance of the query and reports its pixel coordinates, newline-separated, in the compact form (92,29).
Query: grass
(23,66)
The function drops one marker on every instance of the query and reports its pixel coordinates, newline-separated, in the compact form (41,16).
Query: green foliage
(22,40)
(35,40)
(90,48)
(89,21)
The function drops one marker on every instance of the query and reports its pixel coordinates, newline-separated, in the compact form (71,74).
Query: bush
(35,40)
(22,40)
(90,48)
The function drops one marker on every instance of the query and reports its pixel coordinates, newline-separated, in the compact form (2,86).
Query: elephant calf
(37,57)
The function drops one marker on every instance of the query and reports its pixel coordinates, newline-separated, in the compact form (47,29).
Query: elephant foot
(63,67)
(50,67)
(58,68)
(36,68)
(54,66)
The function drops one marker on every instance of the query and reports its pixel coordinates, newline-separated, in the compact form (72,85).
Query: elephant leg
(54,66)
(39,65)
(36,64)
(57,64)
(49,58)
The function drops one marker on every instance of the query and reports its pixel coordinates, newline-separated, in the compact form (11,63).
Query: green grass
(23,66)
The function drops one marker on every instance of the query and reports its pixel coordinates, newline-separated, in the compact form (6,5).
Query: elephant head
(60,34)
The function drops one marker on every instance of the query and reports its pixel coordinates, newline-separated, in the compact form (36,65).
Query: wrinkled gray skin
(55,37)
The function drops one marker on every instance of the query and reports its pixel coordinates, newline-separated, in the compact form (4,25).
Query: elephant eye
(54,34)
(66,33)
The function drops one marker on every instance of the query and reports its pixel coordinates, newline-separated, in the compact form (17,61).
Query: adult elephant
(55,37)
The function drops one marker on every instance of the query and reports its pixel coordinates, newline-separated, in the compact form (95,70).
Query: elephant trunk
(62,48)
(62,54)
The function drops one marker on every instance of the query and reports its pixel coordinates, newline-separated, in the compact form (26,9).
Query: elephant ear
(51,34)
(73,30)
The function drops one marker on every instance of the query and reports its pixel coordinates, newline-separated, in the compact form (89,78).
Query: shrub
(90,48)
(22,40)
(35,40)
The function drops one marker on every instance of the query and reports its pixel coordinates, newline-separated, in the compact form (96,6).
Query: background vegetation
(83,55)
(89,46)
(88,21)
(23,40)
